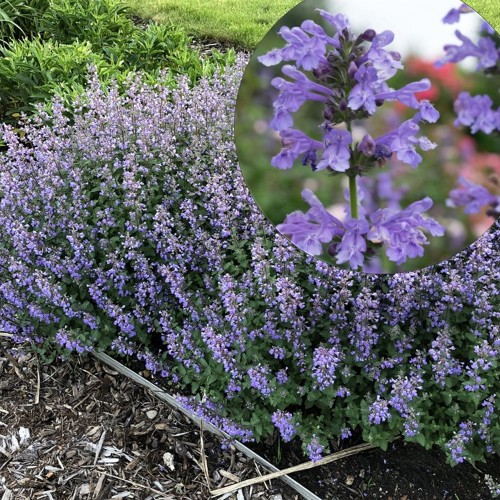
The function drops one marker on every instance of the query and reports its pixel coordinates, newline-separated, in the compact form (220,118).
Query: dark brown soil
(406,471)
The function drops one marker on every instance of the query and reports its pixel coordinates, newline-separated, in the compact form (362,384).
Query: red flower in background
(446,76)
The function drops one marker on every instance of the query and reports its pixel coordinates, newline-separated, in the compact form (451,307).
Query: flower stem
(353,196)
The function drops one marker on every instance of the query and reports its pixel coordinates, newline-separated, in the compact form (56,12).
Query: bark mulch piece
(78,430)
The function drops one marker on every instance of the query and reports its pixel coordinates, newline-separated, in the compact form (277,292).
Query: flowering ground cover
(199,276)
(126,225)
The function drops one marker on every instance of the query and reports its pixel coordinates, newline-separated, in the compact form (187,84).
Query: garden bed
(94,434)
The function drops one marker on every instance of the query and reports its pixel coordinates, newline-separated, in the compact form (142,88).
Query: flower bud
(328,113)
(322,70)
(332,249)
(343,105)
(367,145)
(310,158)
(494,179)
(382,154)
(368,35)
(395,55)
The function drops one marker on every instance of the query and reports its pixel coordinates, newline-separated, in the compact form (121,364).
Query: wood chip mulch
(78,430)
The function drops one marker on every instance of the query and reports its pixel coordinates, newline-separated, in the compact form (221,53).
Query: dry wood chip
(123,494)
(8,495)
(109,461)
(99,446)
(93,430)
(133,464)
(230,476)
(98,486)
(168,460)
(84,489)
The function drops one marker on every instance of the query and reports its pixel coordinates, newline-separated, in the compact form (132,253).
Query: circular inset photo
(368,132)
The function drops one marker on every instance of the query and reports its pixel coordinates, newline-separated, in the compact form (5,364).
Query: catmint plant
(130,228)
(348,75)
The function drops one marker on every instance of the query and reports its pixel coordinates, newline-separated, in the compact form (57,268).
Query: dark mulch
(79,430)
(96,435)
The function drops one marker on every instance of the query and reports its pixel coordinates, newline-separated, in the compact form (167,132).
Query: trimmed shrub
(33,71)
(132,228)
(76,34)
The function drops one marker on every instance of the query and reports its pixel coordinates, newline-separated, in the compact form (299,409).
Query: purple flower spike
(315,450)
(325,362)
(379,411)
(309,231)
(337,152)
(283,422)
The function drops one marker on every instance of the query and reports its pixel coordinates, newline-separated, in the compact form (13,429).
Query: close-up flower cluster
(349,74)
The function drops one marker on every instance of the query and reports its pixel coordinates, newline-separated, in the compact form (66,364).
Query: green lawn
(238,22)
(245,22)
(489,9)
